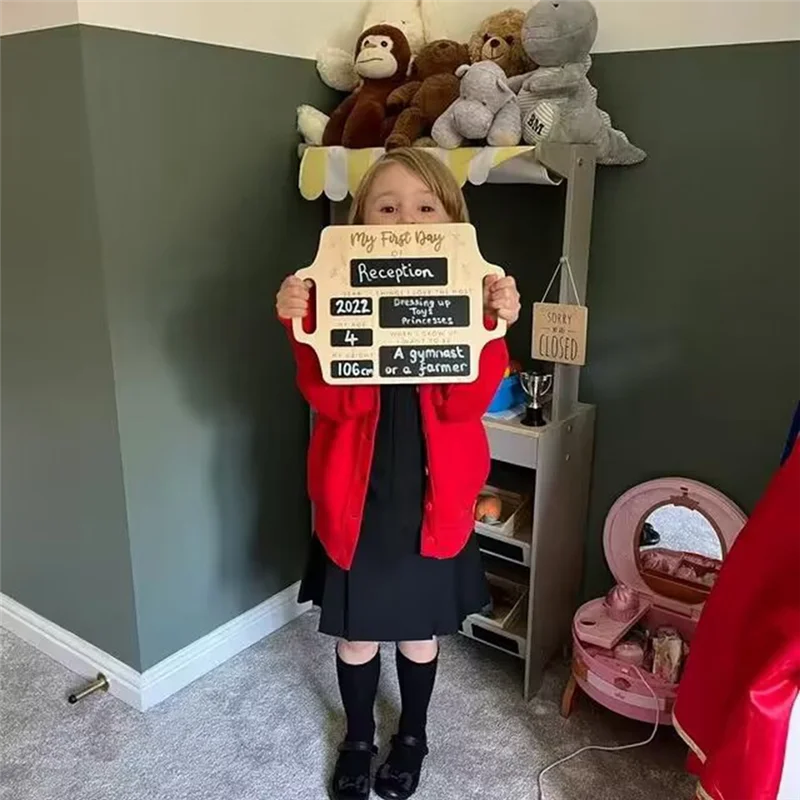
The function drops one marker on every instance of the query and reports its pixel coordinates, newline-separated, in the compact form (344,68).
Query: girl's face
(399,197)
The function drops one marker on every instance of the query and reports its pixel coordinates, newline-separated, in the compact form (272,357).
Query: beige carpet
(264,725)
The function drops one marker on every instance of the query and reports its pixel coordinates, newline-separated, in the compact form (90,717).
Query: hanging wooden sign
(559,333)
(559,329)
(399,304)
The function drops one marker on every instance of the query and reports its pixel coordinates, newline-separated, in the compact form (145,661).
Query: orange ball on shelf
(489,509)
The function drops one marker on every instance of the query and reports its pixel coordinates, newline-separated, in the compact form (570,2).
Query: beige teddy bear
(499,40)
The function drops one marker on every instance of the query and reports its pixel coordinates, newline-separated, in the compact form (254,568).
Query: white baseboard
(70,650)
(145,690)
(200,657)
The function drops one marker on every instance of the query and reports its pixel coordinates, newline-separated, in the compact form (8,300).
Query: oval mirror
(668,538)
(680,551)
(679,528)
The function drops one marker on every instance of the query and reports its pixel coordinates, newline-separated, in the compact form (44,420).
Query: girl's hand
(293,298)
(501,298)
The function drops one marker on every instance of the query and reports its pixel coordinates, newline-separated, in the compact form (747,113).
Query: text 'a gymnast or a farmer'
(423,361)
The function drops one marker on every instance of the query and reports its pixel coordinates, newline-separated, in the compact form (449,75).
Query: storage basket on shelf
(506,534)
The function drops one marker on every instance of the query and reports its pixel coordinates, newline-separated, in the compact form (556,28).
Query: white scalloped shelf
(337,171)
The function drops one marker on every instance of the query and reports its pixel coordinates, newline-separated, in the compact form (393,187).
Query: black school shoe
(398,777)
(351,777)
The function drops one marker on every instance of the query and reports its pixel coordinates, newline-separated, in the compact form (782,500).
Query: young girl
(393,473)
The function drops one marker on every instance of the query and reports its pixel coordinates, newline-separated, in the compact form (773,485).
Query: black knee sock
(358,685)
(416,687)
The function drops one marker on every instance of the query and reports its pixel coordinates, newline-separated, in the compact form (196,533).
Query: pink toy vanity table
(664,541)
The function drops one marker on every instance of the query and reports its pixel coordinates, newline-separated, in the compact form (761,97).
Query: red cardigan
(342,443)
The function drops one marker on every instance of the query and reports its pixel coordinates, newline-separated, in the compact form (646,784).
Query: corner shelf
(558,454)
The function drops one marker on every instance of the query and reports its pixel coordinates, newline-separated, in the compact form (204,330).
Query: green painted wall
(694,280)
(150,209)
(695,364)
(65,550)
(195,165)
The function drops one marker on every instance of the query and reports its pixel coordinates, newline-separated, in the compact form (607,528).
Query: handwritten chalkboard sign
(399,304)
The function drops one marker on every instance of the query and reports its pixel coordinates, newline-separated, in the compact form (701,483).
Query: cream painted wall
(301,27)
(25,15)
(288,27)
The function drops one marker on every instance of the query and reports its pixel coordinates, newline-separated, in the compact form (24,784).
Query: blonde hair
(429,169)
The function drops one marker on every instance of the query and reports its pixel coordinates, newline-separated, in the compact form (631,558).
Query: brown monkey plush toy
(432,89)
(381,60)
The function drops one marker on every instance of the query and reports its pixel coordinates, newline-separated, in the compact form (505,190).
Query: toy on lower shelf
(500,512)
(509,393)
(505,531)
(488,509)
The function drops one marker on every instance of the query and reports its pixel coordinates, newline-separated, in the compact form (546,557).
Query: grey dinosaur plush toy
(557,102)
(486,109)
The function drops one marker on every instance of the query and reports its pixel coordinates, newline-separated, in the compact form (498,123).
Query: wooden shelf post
(576,164)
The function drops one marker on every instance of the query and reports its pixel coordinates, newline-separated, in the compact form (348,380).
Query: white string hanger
(562,262)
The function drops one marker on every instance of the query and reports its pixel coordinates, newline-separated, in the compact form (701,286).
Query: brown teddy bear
(499,39)
(382,56)
(432,88)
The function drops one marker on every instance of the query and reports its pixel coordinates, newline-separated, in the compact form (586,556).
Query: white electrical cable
(604,748)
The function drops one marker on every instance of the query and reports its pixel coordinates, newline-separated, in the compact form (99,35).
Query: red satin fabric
(743,671)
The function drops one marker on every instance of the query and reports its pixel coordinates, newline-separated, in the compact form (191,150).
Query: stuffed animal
(417,19)
(432,89)
(557,102)
(382,56)
(337,68)
(486,109)
(499,39)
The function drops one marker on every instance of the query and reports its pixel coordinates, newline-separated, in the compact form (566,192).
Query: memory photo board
(399,304)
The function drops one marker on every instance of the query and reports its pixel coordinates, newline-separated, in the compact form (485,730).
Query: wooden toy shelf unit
(535,566)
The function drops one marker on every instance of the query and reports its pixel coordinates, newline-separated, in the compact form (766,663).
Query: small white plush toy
(417,19)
